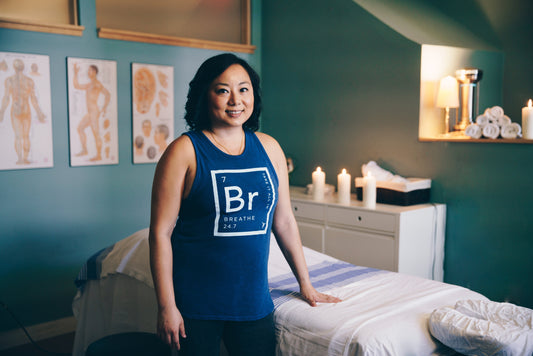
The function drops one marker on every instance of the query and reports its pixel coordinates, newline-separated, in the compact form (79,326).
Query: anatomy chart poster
(153,111)
(92,106)
(25,111)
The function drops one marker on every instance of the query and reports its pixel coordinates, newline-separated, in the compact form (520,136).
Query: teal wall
(52,220)
(341,88)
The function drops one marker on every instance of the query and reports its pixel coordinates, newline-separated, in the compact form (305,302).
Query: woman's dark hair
(196,108)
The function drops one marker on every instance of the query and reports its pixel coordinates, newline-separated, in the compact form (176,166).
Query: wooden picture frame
(152,32)
(51,16)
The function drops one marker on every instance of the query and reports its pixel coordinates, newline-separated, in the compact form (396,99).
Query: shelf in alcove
(467,139)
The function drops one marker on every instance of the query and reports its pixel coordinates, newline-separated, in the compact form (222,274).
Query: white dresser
(405,239)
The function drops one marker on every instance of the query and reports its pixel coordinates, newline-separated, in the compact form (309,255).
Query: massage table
(381,313)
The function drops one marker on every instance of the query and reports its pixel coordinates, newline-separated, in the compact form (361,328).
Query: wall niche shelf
(467,139)
(440,61)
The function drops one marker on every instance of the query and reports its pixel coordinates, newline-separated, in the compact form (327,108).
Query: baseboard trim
(17,337)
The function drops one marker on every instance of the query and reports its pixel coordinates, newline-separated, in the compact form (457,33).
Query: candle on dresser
(344,187)
(369,191)
(319,184)
(527,121)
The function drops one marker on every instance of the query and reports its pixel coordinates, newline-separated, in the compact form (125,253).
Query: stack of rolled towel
(492,124)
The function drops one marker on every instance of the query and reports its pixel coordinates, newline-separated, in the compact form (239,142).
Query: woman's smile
(234,113)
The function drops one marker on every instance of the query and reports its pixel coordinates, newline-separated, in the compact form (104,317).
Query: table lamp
(448,97)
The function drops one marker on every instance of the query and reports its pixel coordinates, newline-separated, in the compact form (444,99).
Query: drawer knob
(359,218)
(295,208)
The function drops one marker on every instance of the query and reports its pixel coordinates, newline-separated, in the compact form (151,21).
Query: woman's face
(231,98)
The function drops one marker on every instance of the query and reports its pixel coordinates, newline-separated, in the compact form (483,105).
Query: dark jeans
(241,338)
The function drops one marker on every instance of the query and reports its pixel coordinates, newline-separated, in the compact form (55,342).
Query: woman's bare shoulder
(272,148)
(180,149)
(182,143)
(268,141)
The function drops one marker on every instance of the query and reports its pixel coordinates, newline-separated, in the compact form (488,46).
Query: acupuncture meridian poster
(25,111)
(93,118)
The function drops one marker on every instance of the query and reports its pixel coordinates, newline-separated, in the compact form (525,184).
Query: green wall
(52,220)
(341,88)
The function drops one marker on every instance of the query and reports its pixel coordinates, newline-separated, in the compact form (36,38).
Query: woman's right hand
(170,326)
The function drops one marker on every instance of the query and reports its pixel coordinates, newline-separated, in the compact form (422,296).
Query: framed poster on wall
(93,119)
(153,110)
(25,111)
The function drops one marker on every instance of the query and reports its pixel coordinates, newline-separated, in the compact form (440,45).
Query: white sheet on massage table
(385,314)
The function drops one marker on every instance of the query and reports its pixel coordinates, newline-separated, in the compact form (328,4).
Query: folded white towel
(511,130)
(491,131)
(474,130)
(380,173)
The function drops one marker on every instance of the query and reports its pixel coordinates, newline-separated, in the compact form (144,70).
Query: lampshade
(448,95)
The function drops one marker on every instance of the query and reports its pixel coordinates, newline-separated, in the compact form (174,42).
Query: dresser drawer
(361,218)
(312,235)
(308,210)
(361,248)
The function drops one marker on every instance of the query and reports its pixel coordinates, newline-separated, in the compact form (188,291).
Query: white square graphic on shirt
(244,199)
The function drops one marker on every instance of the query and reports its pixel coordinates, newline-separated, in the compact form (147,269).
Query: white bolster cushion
(482,327)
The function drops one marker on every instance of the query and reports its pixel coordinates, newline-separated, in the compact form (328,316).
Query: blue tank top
(222,237)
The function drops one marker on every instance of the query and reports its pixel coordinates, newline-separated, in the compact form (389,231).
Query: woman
(229,186)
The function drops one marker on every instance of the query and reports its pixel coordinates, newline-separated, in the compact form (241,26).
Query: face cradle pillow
(482,327)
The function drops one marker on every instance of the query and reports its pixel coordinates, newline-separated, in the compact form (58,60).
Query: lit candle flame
(529,103)
(344,171)
(318,169)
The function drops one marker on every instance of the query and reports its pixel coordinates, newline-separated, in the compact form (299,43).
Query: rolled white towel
(380,173)
(491,131)
(482,120)
(474,130)
(518,128)
(496,111)
(503,120)
(488,113)
(493,114)
(512,130)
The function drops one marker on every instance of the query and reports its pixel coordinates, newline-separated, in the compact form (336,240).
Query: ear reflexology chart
(153,111)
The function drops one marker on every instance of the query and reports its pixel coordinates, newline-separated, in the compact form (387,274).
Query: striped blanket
(130,257)
(324,276)
(92,269)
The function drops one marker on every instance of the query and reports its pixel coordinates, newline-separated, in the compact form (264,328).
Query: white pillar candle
(369,191)
(527,121)
(319,183)
(344,187)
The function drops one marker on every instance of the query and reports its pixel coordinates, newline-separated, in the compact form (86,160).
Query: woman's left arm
(285,228)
